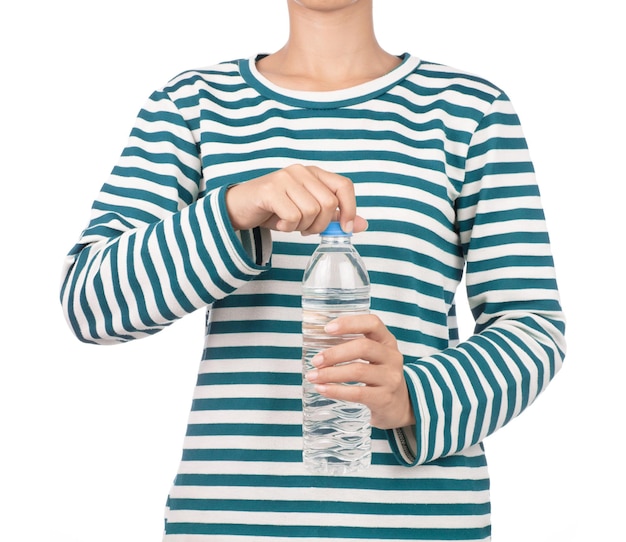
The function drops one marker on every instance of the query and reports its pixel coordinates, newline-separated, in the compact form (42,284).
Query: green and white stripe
(443,175)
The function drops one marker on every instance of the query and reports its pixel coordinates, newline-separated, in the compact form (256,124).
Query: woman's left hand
(384,391)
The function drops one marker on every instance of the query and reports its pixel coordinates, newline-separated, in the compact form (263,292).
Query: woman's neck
(328,50)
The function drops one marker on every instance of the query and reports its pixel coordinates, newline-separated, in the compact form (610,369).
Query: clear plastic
(336,434)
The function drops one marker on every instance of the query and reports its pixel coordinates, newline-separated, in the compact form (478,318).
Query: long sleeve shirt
(443,175)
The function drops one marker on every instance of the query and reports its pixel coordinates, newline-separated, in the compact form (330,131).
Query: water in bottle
(336,434)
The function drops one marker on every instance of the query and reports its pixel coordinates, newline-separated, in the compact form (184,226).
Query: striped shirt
(443,175)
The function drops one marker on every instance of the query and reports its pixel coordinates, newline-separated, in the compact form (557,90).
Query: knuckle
(359,394)
(311,208)
(398,381)
(345,183)
(329,201)
(359,370)
(284,175)
(292,217)
(375,319)
(294,170)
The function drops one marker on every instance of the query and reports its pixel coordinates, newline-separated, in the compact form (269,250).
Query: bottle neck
(335,240)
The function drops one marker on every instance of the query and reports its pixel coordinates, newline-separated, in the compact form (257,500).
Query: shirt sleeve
(466,392)
(157,246)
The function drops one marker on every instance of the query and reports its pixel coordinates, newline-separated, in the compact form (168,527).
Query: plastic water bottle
(336,434)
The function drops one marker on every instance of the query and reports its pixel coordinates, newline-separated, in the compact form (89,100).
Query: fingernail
(349,226)
(317,360)
(321,388)
(331,327)
(311,376)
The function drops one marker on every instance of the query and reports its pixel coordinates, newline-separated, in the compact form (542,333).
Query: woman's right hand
(296,198)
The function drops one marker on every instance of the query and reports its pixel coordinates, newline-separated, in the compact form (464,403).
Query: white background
(91,436)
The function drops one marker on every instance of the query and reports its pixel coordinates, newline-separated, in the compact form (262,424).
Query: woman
(224,166)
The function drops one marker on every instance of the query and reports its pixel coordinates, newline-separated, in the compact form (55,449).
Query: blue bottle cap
(335,229)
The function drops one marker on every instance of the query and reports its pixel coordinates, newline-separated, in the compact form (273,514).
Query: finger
(368,325)
(387,411)
(343,189)
(285,213)
(287,200)
(314,199)
(294,199)
(349,373)
(308,205)
(364,395)
(319,215)
(364,350)
(360,224)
